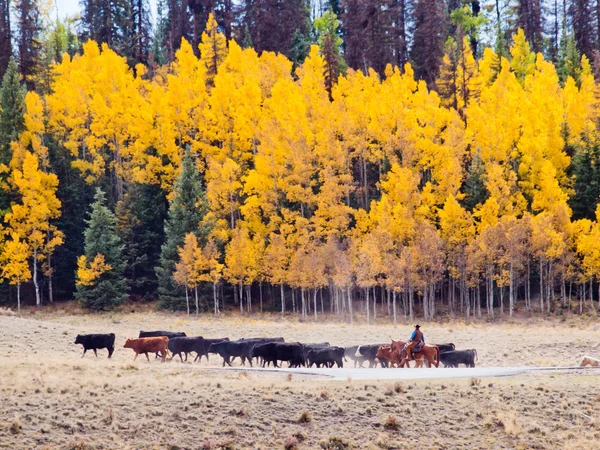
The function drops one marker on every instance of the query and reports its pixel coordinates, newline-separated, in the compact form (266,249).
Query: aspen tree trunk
(293,301)
(315,303)
(411,303)
(571,291)
(196,295)
(432,300)
(249,298)
(261,296)
(374,304)
(38,300)
(368,307)
(350,310)
(468,304)
(580,299)
(478,298)
(394,304)
(541,286)
(511,299)
(388,295)
(592,292)
(187,301)
(19,298)
(216,300)
(321,298)
(241,299)
(501,300)
(303,303)
(50,289)
(282,299)
(528,292)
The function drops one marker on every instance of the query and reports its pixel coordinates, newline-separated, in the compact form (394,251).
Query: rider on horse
(416,340)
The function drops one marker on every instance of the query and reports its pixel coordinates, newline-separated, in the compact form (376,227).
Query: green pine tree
(586,171)
(569,63)
(110,289)
(186,214)
(12,101)
(140,218)
(12,108)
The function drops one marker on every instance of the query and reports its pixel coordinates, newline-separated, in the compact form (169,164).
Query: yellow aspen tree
(457,229)
(241,268)
(211,269)
(31,217)
(15,263)
(188,269)
(213,49)
(89,271)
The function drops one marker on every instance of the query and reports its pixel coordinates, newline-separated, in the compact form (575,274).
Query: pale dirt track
(53,399)
(365,374)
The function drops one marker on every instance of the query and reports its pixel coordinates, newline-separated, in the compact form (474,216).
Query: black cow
(179,345)
(265,352)
(233,349)
(169,334)
(238,349)
(207,344)
(291,352)
(96,341)
(258,341)
(456,357)
(326,356)
(369,352)
(352,353)
(446,347)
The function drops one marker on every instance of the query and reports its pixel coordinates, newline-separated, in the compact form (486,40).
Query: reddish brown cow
(392,356)
(149,345)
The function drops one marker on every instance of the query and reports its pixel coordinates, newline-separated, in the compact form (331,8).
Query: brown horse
(431,353)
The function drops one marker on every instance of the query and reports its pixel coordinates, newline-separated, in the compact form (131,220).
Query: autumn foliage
(413,201)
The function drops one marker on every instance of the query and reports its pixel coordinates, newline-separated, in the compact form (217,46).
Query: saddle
(417,348)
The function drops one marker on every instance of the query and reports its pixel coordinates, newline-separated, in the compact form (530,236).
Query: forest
(381,158)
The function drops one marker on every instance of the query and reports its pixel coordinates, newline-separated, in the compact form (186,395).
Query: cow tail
(437,356)
(476,357)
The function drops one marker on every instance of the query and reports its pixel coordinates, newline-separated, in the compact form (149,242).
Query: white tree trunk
(38,300)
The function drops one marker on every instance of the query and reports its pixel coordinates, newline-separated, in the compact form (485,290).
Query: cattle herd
(275,351)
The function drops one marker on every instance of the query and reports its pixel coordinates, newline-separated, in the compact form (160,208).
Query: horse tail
(437,356)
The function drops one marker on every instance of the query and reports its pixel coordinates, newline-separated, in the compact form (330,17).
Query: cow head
(78,339)
(128,343)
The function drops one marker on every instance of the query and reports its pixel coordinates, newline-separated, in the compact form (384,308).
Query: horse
(431,353)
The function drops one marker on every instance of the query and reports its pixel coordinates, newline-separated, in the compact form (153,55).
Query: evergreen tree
(139,29)
(107,287)
(160,52)
(372,35)
(428,40)
(75,196)
(326,28)
(582,21)
(586,171)
(5,36)
(276,26)
(186,212)
(530,19)
(569,63)
(30,28)
(12,108)
(140,218)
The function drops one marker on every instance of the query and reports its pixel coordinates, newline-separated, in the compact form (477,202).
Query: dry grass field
(52,398)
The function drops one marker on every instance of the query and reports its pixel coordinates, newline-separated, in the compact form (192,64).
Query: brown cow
(149,345)
(589,361)
(393,357)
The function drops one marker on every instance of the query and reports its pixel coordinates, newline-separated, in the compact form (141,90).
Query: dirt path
(364,374)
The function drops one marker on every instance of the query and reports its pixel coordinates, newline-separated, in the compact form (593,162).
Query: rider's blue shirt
(414,333)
